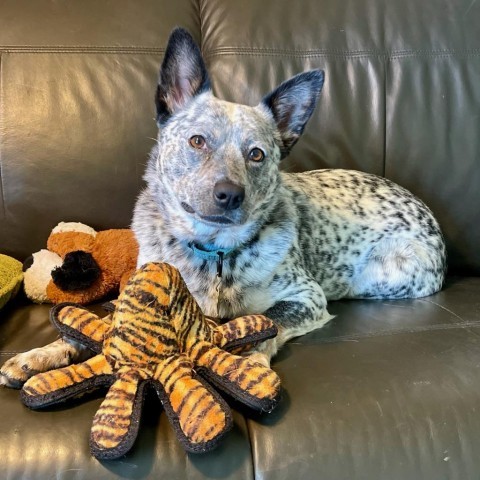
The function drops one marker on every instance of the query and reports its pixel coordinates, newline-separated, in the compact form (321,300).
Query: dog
(248,238)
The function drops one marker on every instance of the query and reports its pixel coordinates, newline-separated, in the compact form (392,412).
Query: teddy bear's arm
(80,324)
(198,414)
(251,383)
(58,385)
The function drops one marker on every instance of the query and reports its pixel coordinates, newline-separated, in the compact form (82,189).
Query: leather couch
(389,389)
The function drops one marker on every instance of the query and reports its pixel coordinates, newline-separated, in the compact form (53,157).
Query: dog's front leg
(301,309)
(60,353)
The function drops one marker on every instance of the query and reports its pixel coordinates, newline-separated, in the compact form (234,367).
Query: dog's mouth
(211,219)
(187,208)
(217,219)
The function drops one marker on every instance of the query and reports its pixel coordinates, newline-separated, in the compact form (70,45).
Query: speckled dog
(285,243)
(250,239)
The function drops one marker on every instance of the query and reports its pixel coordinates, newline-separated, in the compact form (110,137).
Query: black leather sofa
(388,390)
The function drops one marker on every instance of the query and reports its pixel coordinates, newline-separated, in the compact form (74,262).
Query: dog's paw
(18,369)
(12,375)
(258,357)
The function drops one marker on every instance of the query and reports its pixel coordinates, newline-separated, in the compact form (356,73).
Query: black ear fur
(292,104)
(182,75)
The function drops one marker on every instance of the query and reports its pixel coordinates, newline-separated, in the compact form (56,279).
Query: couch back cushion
(401,99)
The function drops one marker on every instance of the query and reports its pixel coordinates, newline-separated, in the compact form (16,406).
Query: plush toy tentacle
(77,323)
(253,384)
(245,330)
(158,335)
(199,415)
(58,385)
(116,423)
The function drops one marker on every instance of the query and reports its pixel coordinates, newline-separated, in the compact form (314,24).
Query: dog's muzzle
(224,209)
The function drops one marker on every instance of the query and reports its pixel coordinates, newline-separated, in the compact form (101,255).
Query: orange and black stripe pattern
(50,387)
(158,334)
(147,326)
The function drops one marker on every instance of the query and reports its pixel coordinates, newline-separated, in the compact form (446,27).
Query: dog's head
(216,164)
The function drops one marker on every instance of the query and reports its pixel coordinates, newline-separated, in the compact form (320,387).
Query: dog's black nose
(227,195)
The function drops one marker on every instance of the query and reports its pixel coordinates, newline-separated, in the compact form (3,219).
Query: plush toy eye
(197,141)
(256,155)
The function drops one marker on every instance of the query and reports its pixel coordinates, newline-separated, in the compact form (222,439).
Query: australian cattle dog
(249,238)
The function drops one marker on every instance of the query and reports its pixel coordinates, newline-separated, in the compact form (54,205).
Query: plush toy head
(80,265)
(10,278)
(159,336)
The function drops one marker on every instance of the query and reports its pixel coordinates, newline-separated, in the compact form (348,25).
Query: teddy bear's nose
(78,271)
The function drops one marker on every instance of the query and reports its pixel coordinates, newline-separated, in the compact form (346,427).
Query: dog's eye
(197,141)
(256,155)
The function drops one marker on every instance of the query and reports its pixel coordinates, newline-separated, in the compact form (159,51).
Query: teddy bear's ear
(63,227)
(63,242)
(70,236)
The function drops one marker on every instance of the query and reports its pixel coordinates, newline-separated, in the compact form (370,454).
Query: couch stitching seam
(200,23)
(333,50)
(333,53)
(250,444)
(29,49)
(2,188)
(385,84)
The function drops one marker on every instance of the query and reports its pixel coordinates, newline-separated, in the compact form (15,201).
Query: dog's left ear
(182,75)
(292,104)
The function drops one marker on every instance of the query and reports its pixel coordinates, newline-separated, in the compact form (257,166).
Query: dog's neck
(208,251)
(211,252)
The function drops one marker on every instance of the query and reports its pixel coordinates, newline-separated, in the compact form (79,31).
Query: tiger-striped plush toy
(158,335)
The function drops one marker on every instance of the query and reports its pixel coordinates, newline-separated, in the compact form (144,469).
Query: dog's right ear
(182,75)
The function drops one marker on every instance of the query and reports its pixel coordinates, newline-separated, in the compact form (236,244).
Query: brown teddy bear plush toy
(80,265)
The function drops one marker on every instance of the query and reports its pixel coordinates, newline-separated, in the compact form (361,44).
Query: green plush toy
(11,277)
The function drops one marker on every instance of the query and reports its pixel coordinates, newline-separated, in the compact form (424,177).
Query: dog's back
(348,220)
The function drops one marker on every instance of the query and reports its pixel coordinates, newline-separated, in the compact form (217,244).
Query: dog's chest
(243,284)
(227,296)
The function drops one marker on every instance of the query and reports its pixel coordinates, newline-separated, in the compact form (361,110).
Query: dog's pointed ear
(182,75)
(292,104)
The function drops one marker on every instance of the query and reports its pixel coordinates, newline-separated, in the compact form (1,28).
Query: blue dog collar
(211,252)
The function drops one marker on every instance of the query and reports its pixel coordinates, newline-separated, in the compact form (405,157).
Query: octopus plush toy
(158,335)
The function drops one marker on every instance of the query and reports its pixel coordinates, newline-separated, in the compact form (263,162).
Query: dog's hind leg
(399,268)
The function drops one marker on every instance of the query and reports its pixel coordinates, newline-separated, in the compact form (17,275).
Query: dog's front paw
(17,370)
(258,357)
